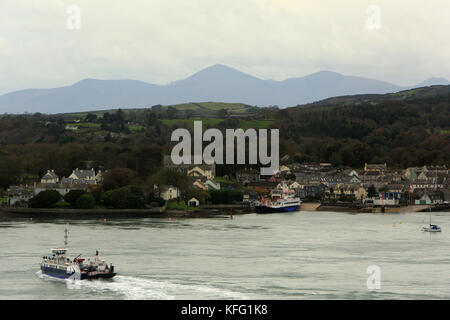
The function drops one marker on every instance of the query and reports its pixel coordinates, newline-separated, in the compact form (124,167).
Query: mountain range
(215,83)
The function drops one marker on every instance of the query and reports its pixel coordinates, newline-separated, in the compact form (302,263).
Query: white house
(78,180)
(167,192)
(87,175)
(295,185)
(50,177)
(199,172)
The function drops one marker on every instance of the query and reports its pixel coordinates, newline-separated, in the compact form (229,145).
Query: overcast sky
(160,41)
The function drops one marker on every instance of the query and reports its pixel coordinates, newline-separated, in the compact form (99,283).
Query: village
(328,187)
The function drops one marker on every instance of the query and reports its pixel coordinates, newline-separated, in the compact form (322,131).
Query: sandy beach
(310,206)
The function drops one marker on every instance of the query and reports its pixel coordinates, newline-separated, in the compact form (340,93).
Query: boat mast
(66,236)
(435,180)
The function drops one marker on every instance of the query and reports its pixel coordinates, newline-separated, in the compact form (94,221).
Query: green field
(243,124)
(87,125)
(190,122)
(438,131)
(94,127)
(200,109)
(213,107)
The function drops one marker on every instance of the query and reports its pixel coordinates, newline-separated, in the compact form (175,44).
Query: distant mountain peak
(217,82)
(433,81)
(218,72)
(86,80)
(327,72)
(436,79)
(217,68)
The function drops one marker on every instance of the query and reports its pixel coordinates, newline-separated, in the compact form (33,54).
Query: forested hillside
(402,132)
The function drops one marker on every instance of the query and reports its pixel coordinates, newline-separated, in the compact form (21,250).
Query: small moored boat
(432,227)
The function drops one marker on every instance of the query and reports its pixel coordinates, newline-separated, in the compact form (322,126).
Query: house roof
(18,190)
(436,168)
(395,186)
(375,166)
(372,173)
(83,174)
(430,192)
(50,175)
(65,180)
(350,187)
(424,181)
(213,183)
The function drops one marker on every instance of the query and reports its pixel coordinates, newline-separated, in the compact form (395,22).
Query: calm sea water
(300,255)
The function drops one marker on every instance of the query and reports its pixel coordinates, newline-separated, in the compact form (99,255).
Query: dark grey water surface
(300,255)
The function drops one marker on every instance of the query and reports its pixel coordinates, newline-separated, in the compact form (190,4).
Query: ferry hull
(62,274)
(267,209)
(55,273)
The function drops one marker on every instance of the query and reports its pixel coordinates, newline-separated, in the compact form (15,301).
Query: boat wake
(143,288)
(139,288)
(70,283)
(46,277)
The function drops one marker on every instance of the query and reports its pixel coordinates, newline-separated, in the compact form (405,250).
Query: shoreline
(387,209)
(211,211)
(159,212)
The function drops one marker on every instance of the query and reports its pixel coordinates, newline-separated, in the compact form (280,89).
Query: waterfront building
(166,192)
(427,196)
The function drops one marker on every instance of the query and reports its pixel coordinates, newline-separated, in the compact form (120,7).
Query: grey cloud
(159,41)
